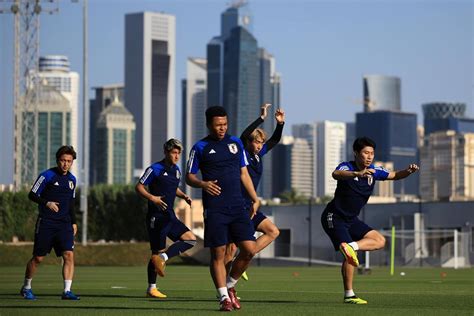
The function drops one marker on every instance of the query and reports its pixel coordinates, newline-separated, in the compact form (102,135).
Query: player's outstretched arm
(263,114)
(402,174)
(248,185)
(349,174)
(276,136)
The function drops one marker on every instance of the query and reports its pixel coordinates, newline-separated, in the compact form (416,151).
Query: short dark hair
(362,142)
(65,150)
(214,111)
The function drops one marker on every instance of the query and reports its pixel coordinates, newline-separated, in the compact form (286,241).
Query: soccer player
(54,192)
(162,179)
(256,146)
(355,183)
(223,164)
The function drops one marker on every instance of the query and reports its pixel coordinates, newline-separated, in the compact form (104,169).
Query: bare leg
(247,251)
(373,240)
(217,266)
(347,271)
(32,265)
(270,233)
(230,251)
(68,266)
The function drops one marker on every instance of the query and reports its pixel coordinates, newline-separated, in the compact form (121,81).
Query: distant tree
(325,199)
(293,197)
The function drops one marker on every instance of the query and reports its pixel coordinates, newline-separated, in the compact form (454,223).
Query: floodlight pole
(310,237)
(85,131)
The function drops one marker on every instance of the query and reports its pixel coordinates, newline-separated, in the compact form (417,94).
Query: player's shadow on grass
(17,296)
(187,299)
(31,307)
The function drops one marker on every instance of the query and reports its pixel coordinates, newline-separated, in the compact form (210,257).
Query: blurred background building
(150,58)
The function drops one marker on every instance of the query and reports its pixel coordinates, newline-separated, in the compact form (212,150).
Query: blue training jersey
(53,186)
(255,169)
(219,160)
(162,181)
(351,195)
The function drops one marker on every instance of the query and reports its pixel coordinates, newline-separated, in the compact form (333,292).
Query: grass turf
(276,291)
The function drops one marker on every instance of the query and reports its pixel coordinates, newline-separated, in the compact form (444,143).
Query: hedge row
(115,212)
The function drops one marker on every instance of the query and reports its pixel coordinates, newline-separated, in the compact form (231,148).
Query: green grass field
(277,291)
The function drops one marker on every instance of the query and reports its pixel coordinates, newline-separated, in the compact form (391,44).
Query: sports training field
(270,291)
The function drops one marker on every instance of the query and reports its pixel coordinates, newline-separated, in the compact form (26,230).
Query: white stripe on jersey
(191,159)
(38,184)
(245,158)
(145,175)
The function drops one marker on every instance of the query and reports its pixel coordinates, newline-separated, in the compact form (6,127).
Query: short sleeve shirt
(53,186)
(219,160)
(162,180)
(352,194)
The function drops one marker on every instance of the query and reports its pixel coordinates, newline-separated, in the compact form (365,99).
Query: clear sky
(322,49)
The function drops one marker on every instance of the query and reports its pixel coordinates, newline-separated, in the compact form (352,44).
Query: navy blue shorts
(257,219)
(223,226)
(51,234)
(342,229)
(159,228)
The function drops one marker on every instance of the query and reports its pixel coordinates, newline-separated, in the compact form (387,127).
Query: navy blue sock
(151,273)
(179,247)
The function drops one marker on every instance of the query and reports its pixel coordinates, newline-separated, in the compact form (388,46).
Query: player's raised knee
(380,242)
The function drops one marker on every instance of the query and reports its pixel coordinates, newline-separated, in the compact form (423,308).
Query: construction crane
(25,83)
(236,4)
(25,92)
(369,105)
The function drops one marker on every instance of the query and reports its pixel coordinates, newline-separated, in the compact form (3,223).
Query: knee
(217,255)
(37,260)
(381,242)
(68,256)
(248,254)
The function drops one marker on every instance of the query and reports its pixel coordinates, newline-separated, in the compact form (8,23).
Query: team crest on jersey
(71,185)
(233,148)
(257,158)
(178,174)
(370,179)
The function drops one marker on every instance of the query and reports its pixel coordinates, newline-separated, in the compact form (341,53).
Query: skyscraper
(307,131)
(447,172)
(150,82)
(292,166)
(53,130)
(443,116)
(350,138)
(194,107)
(115,145)
(395,134)
(55,71)
(381,93)
(241,79)
(104,96)
(236,69)
(331,150)
(267,73)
